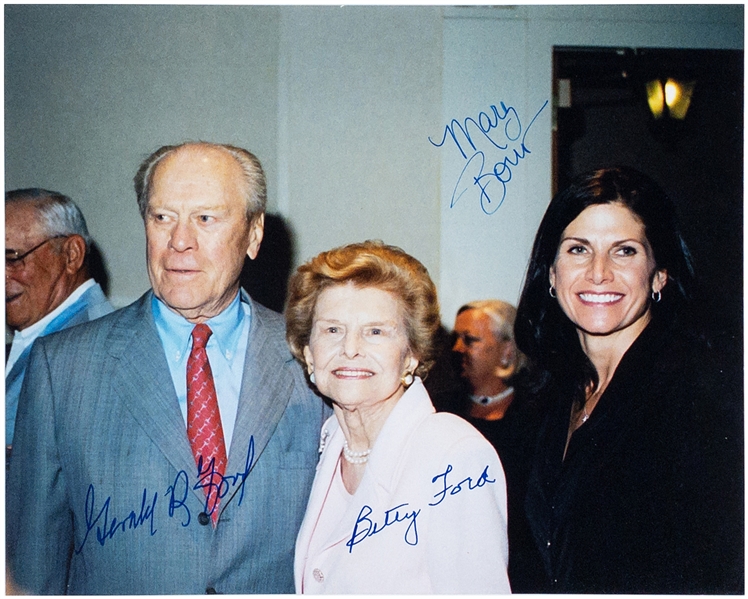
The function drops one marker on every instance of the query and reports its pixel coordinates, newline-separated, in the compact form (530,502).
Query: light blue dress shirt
(227,348)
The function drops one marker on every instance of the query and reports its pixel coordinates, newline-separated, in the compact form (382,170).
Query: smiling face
(604,272)
(197,231)
(358,348)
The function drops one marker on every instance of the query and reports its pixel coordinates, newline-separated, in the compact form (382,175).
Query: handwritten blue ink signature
(366,527)
(391,516)
(106,528)
(454,489)
(206,478)
(500,124)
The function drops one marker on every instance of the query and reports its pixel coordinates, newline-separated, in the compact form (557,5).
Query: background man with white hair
(47,283)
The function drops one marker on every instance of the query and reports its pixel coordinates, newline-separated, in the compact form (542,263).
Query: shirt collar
(175,330)
(36,329)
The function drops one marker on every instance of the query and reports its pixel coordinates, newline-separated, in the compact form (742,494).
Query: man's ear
(74,249)
(256,232)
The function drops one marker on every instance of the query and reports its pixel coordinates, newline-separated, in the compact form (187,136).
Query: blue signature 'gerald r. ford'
(107,527)
(206,479)
(503,137)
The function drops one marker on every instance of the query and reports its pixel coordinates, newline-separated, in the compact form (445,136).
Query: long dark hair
(542,330)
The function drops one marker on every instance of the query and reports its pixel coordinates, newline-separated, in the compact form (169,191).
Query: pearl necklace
(492,400)
(355,457)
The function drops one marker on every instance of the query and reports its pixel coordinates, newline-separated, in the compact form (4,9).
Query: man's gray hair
(58,214)
(254,176)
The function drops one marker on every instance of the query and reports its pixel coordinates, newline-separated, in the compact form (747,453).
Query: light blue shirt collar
(227,348)
(175,331)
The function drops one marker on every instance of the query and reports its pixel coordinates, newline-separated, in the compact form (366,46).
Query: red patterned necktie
(204,428)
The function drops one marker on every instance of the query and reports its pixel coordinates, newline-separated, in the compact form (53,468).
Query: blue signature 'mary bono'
(506,144)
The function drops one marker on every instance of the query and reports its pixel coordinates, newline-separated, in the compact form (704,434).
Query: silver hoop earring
(312,379)
(407,380)
(552,292)
(656,296)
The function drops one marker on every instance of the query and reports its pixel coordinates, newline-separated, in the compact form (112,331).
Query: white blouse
(429,515)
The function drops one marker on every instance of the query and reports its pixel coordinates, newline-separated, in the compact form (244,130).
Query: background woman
(494,400)
(637,481)
(404,500)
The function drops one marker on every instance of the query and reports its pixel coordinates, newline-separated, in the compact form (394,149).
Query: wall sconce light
(675,95)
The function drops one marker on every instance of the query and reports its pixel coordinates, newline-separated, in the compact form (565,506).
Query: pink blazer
(428,517)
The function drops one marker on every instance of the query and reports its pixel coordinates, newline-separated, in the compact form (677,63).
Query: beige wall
(90,91)
(494,55)
(337,102)
(361,91)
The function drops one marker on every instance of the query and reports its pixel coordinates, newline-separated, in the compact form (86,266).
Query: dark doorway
(603,119)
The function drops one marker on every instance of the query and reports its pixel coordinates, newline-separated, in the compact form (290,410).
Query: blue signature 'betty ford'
(502,129)
(366,527)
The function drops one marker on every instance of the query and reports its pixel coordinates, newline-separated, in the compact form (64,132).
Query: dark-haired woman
(637,480)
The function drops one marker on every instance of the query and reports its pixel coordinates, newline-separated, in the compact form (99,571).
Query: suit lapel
(145,386)
(265,392)
(368,502)
(377,485)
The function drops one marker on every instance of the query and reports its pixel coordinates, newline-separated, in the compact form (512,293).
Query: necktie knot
(200,335)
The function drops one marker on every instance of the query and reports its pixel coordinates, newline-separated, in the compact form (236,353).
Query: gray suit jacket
(103,496)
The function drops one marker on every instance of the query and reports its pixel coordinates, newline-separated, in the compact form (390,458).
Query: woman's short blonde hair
(367,264)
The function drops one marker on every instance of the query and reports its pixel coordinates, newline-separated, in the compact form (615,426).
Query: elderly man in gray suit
(169,447)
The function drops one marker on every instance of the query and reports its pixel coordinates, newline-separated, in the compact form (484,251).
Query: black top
(513,437)
(649,498)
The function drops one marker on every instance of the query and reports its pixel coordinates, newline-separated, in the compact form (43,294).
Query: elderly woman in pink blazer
(405,500)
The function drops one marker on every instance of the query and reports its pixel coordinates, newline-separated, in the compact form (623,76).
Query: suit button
(211,591)
(203,518)
(318,576)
